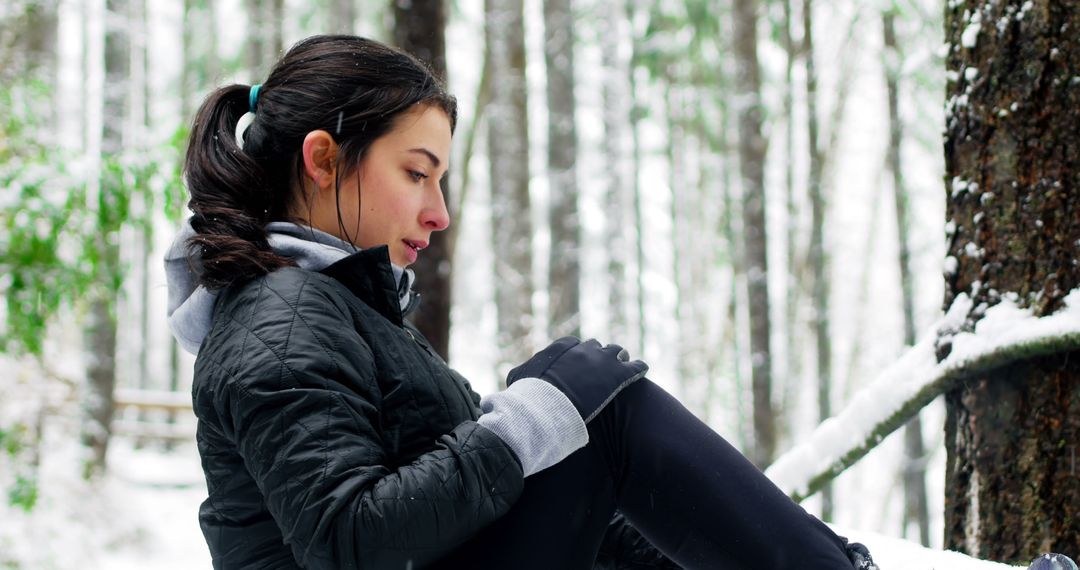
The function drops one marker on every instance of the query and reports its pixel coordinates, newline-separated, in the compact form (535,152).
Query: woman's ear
(320,158)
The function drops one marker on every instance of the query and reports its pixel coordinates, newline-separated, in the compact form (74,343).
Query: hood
(191,306)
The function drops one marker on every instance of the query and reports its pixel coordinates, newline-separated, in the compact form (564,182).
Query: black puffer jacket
(333,437)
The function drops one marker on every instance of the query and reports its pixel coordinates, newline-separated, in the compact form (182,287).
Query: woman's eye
(417,176)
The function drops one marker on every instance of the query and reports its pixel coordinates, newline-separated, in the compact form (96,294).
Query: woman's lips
(412,248)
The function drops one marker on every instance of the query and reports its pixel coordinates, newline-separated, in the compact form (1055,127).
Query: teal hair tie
(253,96)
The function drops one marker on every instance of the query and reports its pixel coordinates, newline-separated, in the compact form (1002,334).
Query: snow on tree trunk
(1012,154)
(420,29)
(752,146)
(564,269)
(508,154)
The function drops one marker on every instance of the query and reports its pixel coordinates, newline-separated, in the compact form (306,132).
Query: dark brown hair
(353,88)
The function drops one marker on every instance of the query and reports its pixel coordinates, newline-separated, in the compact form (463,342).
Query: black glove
(859,556)
(588,374)
(1053,562)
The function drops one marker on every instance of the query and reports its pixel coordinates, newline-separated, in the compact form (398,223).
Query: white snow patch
(899,554)
(950,265)
(971,33)
(1003,325)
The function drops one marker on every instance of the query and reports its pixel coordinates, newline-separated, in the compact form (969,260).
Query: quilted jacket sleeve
(624,548)
(303,409)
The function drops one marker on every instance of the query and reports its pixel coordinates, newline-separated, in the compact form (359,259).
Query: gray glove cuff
(535,420)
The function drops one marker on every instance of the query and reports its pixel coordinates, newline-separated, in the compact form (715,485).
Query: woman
(332,436)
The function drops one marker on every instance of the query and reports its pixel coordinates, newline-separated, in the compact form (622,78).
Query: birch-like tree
(508,156)
(819,268)
(916,510)
(420,29)
(616,114)
(264,42)
(564,267)
(1012,157)
(752,148)
(98,403)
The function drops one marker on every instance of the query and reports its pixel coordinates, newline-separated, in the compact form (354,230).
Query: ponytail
(230,199)
(352,87)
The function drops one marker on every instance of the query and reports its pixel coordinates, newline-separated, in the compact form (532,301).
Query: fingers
(619,351)
(535,366)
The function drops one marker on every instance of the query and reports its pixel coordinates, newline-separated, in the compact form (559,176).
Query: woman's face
(393,198)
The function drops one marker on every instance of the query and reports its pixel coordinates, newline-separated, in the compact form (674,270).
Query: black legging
(685,488)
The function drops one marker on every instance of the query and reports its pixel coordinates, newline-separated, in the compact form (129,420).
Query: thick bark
(421,30)
(564,269)
(752,146)
(916,510)
(1012,159)
(508,152)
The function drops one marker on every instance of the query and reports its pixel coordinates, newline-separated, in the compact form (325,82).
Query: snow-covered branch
(1005,334)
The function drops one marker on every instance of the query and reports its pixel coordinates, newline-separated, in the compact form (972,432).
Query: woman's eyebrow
(431,156)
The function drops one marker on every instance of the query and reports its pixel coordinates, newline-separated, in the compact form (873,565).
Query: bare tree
(264,34)
(508,153)
(564,269)
(916,510)
(818,262)
(1013,184)
(420,28)
(98,402)
(752,147)
(616,111)
(342,15)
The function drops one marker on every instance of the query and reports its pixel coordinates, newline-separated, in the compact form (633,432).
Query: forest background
(770,201)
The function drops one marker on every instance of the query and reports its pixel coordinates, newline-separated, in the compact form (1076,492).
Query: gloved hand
(588,374)
(859,556)
(1053,562)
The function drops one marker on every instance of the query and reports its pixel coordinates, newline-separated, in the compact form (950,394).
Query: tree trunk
(420,29)
(636,112)
(564,269)
(752,148)
(98,403)
(264,35)
(508,152)
(343,16)
(916,510)
(818,263)
(1012,162)
(615,113)
(793,344)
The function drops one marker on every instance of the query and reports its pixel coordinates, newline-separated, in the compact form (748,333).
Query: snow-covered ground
(143,516)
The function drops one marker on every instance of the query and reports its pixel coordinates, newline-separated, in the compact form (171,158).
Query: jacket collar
(369,275)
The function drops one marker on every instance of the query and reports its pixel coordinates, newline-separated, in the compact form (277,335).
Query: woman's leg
(696,498)
(688,491)
(558,522)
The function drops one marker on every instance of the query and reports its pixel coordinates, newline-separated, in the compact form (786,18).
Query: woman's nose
(435,216)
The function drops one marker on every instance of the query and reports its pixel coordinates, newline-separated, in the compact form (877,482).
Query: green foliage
(16,444)
(37,263)
(58,232)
